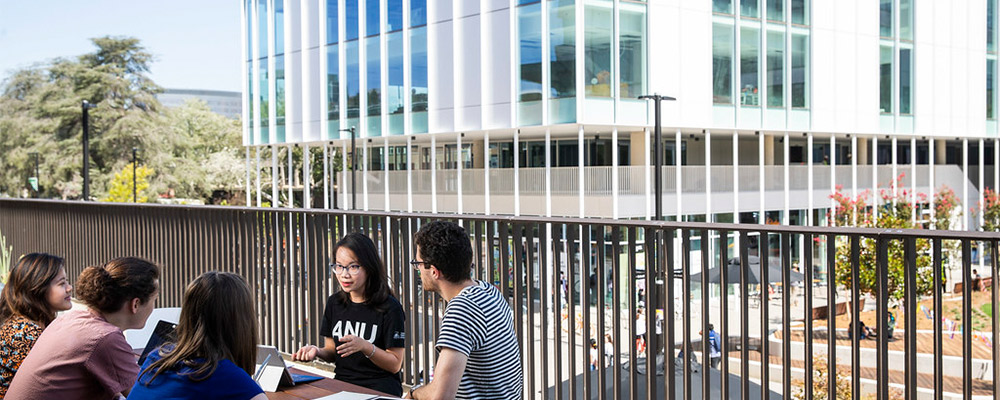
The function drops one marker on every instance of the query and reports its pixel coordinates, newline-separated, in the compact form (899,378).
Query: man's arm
(447,375)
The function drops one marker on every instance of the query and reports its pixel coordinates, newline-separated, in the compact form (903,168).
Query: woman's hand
(351,344)
(306,353)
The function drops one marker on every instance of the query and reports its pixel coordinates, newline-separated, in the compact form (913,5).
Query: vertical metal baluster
(542,257)
(831,315)
(724,279)
(910,301)
(881,315)
(786,315)
(602,288)
(666,243)
(520,307)
(937,244)
(966,320)
(855,318)
(616,301)
(706,387)
(807,311)
(571,268)
(995,320)
(686,321)
(763,252)
(585,295)
(556,306)
(631,280)
(744,308)
(653,303)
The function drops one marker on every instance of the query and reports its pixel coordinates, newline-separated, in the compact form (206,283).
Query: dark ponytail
(108,287)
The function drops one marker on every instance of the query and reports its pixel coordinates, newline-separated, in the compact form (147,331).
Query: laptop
(162,333)
(271,371)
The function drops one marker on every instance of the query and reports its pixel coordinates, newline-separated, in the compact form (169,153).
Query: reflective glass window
(885,79)
(800,12)
(279,27)
(775,68)
(800,71)
(262,28)
(250,94)
(776,10)
(906,19)
(749,66)
(395,91)
(249,10)
(632,49)
(748,8)
(418,79)
(562,48)
(529,28)
(332,12)
(991,41)
(333,87)
(351,19)
(991,66)
(373,81)
(279,90)
(905,80)
(598,35)
(722,63)
(394,9)
(885,18)
(418,13)
(722,6)
(263,95)
(353,80)
(372,17)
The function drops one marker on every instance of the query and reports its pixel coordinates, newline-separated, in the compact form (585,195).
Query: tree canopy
(192,150)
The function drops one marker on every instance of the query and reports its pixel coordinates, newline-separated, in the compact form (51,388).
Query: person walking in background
(714,347)
(478,352)
(216,347)
(83,353)
(36,289)
(363,323)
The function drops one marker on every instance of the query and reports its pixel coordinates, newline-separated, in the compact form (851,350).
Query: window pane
(748,8)
(351,20)
(722,6)
(395,90)
(262,28)
(250,94)
(800,71)
(529,28)
(371,17)
(722,63)
(775,69)
(264,121)
(990,67)
(418,79)
(394,9)
(418,12)
(279,27)
(332,31)
(353,81)
(906,19)
(373,83)
(749,66)
(800,12)
(279,90)
(333,88)
(776,10)
(250,36)
(562,48)
(597,48)
(905,80)
(991,9)
(632,48)
(885,81)
(885,18)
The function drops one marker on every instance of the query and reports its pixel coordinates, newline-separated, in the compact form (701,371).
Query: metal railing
(573,280)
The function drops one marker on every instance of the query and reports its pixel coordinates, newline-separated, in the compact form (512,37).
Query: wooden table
(317,389)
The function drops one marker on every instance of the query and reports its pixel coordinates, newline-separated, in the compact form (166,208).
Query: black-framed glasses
(339,269)
(417,264)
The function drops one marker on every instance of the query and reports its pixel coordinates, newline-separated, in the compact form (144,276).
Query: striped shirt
(480,324)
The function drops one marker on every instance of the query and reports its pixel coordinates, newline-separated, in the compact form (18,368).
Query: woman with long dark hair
(216,347)
(363,324)
(83,354)
(36,289)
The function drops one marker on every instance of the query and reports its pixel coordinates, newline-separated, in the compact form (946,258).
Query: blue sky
(196,44)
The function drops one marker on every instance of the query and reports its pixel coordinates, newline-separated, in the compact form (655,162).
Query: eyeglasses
(350,269)
(418,264)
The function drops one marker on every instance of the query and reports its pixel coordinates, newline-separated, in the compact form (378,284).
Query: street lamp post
(86,148)
(354,178)
(38,185)
(135,199)
(658,154)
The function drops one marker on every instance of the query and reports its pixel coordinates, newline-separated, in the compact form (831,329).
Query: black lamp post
(135,199)
(86,148)
(38,183)
(658,158)
(354,178)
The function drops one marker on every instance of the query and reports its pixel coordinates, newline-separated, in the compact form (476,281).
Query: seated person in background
(373,357)
(83,353)
(216,347)
(36,289)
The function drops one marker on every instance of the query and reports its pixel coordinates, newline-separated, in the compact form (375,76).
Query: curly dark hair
(107,288)
(446,246)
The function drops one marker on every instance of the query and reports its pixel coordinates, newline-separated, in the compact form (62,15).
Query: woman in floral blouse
(36,289)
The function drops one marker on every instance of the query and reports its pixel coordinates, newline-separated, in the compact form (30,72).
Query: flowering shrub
(945,205)
(991,210)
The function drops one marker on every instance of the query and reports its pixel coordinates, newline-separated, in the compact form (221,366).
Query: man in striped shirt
(479,355)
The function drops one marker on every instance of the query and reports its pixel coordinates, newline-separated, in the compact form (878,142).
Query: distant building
(229,104)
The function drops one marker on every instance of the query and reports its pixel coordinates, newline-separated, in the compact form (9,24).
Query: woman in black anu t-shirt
(363,323)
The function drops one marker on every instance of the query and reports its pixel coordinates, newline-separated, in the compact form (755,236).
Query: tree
(121,185)
(896,211)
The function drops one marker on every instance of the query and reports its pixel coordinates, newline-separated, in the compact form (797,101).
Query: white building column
(364,173)
(854,175)
(932,168)
(809,167)
(614,172)
(409,173)
(486,172)
(517,173)
(647,176)
(385,168)
(291,179)
(875,197)
(762,217)
(326,177)
(736,177)
(982,190)
(275,202)
(248,177)
(913,177)
(895,169)
(582,163)
(458,159)
(548,178)
(434,190)
(677,172)
(965,183)
(306,177)
(257,173)
(784,217)
(833,175)
(708,179)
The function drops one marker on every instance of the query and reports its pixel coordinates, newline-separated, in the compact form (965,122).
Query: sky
(195,44)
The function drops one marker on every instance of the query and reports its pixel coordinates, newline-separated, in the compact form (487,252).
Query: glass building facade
(896,56)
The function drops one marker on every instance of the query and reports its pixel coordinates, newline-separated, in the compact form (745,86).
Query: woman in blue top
(216,346)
